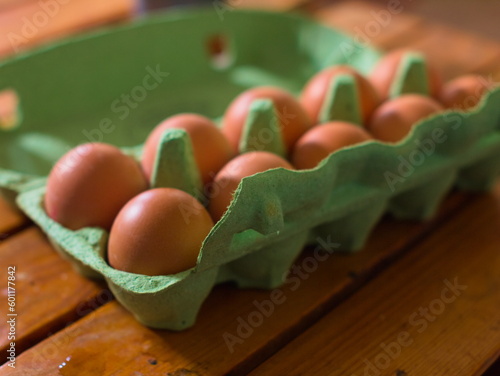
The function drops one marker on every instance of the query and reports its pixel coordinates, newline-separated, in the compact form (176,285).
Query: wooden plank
(10,219)
(4,4)
(474,17)
(371,24)
(30,24)
(453,51)
(409,320)
(184,352)
(49,293)
(274,5)
(95,344)
(456,52)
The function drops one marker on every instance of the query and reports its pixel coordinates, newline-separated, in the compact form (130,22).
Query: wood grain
(95,344)
(10,219)
(453,51)
(98,12)
(29,24)
(110,341)
(458,335)
(456,52)
(49,293)
(370,23)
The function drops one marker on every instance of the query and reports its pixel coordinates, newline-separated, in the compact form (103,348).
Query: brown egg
(322,140)
(159,232)
(90,184)
(316,89)
(385,71)
(464,92)
(394,119)
(228,179)
(210,147)
(293,119)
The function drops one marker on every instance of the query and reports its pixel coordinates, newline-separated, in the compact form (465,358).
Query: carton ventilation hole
(9,109)
(218,50)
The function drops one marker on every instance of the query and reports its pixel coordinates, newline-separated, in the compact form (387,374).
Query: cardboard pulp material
(116,85)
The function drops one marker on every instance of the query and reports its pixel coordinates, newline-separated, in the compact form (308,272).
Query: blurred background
(27,23)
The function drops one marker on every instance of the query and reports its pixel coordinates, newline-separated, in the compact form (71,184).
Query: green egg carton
(116,85)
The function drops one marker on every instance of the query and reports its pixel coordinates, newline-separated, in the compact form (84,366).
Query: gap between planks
(459,335)
(49,293)
(12,221)
(95,344)
(385,40)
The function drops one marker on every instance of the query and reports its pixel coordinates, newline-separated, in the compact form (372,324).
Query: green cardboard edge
(239,236)
(264,226)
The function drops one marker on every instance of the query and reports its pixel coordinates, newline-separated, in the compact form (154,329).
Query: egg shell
(394,119)
(159,232)
(324,139)
(90,184)
(228,179)
(293,120)
(464,92)
(386,69)
(210,147)
(316,90)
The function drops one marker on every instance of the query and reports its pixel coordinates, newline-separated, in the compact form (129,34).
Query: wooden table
(420,299)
